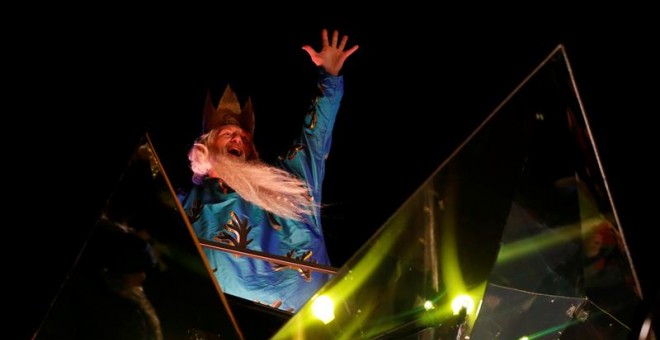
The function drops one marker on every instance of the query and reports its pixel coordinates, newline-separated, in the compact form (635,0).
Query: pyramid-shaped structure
(141,273)
(515,235)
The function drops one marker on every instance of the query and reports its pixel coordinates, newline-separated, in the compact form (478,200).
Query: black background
(87,87)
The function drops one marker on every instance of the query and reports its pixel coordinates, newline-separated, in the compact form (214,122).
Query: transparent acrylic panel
(247,312)
(519,213)
(508,313)
(141,273)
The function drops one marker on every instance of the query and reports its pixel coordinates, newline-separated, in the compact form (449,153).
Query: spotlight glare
(323,309)
(462,301)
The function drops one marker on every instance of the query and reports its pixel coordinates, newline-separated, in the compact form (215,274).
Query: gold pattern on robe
(275,304)
(235,233)
(194,212)
(292,152)
(313,116)
(312,120)
(305,257)
(273,223)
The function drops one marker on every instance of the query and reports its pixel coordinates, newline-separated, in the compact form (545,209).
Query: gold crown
(228,111)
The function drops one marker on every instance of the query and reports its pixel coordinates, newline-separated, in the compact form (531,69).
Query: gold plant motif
(305,257)
(235,233)
(194,212)
(313,119)
(292,152)
(273,223)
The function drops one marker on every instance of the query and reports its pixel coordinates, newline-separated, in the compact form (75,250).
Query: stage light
(323,309)
(462,301)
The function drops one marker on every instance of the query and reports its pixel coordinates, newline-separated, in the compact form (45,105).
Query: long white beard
(268,187)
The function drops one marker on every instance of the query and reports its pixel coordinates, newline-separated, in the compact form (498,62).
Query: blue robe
(213,212)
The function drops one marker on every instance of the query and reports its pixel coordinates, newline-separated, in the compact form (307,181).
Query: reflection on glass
(517,224)
(141,273)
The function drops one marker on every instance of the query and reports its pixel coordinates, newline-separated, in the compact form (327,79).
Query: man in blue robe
(241,201)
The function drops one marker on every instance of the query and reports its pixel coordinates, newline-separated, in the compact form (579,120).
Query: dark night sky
(416,88)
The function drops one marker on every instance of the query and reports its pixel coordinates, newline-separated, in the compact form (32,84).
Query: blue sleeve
(306,157)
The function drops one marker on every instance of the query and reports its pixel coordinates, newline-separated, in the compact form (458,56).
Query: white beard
(266,186)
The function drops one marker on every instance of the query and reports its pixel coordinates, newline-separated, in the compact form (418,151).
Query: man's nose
(237,139)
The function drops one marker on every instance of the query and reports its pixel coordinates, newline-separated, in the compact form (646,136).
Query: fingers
(309,51)
(342,45)
(324,37)
(350,51)
(335,38)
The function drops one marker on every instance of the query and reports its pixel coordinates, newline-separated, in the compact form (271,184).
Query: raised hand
(332,56)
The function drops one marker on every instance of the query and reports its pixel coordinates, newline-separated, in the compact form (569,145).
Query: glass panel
(508,313)
(515,234)
(270,319)
(141,273)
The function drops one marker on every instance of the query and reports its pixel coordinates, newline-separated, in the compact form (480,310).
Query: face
(233,141)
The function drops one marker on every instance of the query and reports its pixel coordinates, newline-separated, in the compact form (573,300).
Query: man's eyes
(231,135)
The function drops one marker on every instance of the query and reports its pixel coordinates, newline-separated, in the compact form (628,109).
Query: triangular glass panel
(141,273)
(514,235)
